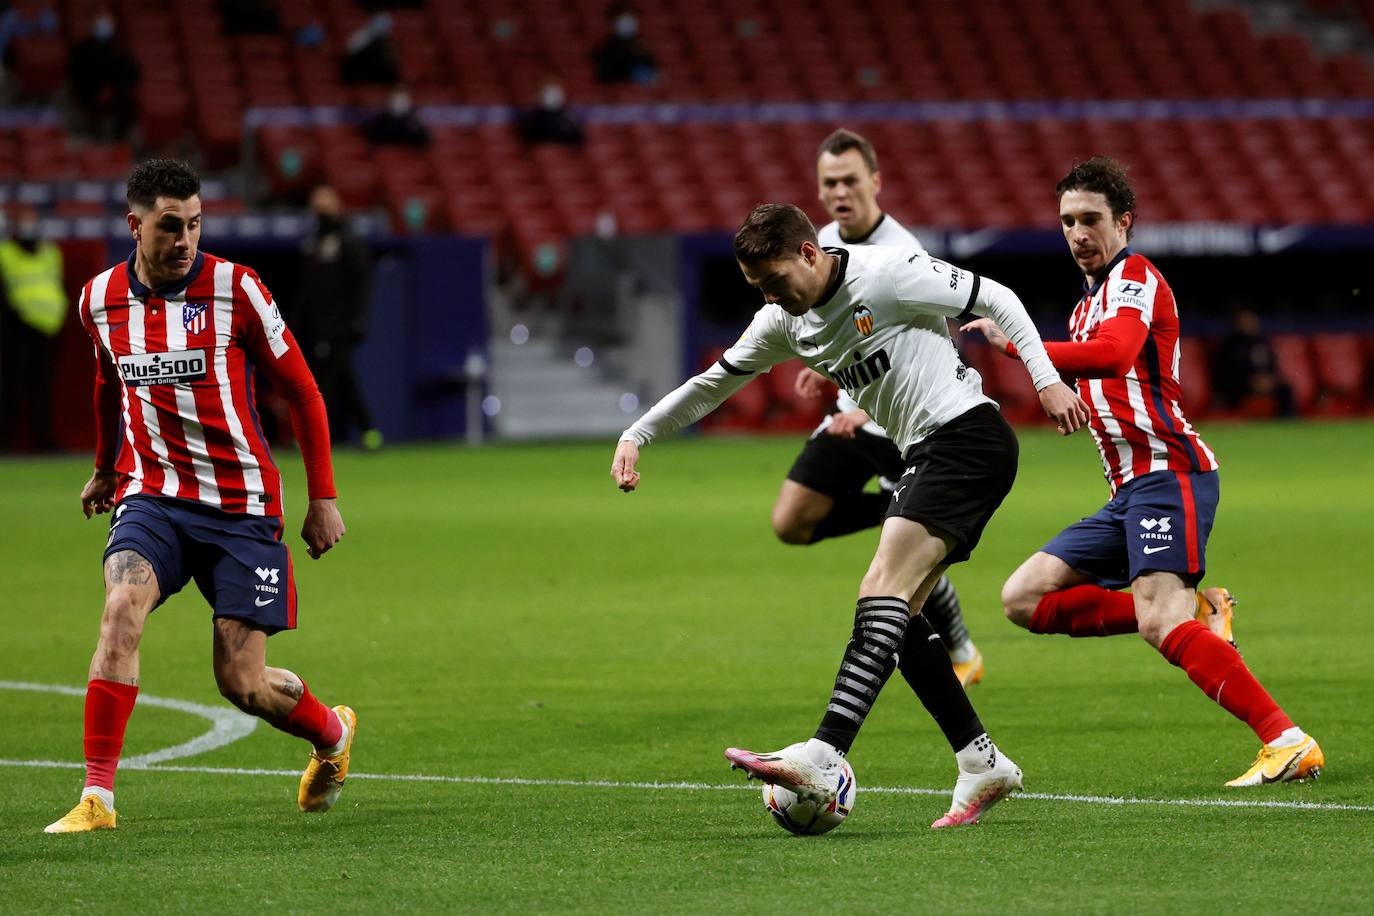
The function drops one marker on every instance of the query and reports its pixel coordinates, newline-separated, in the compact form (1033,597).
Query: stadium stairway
(544,394)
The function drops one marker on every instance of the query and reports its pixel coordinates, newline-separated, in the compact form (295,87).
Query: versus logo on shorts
(140,369)
(1156,529)
(266,574)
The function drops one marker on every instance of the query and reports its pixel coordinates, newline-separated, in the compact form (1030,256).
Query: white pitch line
(227,724)
(706,786)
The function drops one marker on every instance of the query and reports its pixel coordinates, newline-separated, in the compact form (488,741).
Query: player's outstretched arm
(97,496)
(623,465)
(323,527)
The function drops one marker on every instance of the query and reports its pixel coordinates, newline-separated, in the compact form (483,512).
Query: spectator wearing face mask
(33,308)
(550,121)
(622,57)
(397,123)
(331,311)
(103,75)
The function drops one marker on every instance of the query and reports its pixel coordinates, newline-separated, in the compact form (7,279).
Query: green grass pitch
(506,613)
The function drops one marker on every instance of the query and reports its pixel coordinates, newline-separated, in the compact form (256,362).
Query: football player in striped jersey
(1152,535)
(183,466)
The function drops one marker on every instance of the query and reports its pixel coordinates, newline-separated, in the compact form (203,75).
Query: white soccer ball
(806,818)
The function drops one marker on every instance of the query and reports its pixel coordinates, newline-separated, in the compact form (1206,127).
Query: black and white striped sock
(943,611)
(869,660)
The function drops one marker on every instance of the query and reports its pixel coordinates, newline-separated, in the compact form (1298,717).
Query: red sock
(1085,610)
(108,706)
(312,720)
(1217,668)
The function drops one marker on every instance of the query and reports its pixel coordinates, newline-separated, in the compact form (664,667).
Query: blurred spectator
(397,123)
(33,307)
(622,57)
(103,77)
(20,20)
(331,315)
(249,17)
(370,56)
(1245,371)
(310,35)
(550,121)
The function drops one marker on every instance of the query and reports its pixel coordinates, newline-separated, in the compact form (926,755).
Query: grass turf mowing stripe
(708,787)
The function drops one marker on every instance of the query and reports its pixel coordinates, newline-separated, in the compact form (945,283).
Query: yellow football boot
(1216,608)
(324,776)
(1303,760)
(971,671)
(89,814)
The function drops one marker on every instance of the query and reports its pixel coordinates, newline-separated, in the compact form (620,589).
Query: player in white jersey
(824,494)
(873,319)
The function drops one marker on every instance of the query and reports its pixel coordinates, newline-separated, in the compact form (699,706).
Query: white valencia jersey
(887,232)
(879,331)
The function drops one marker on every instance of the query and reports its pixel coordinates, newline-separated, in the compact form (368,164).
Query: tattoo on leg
(292,688)
(128,568)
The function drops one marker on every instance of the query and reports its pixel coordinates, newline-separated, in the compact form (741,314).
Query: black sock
(926,666)
(879,626)
(944,614)
(853,513)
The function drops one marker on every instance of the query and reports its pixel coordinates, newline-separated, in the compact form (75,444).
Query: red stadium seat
(746,409)
(790,410)
(1341,375)
(1194,377)
(1295,365)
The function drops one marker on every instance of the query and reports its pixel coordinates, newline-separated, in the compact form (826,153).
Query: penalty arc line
(707,787)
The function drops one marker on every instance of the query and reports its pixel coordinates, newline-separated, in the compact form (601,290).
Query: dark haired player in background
(1152,534)
(192,486)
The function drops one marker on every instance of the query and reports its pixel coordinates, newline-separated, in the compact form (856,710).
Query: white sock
(1289,738)
(343,737)
(822,752)
(106,796)
(978,756)
(963,653)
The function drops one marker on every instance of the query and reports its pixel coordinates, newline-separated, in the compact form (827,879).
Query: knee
(1155,624)
(1019,602)
(790,528)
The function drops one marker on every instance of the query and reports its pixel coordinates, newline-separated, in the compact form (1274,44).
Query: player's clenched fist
(623,467)
(1064,407)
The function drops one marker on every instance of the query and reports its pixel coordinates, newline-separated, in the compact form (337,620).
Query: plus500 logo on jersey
(140,369)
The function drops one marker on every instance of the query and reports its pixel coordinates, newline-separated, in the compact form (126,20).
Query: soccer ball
(806,818)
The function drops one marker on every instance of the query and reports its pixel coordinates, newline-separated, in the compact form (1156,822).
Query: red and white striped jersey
(176,366)
(1137,419)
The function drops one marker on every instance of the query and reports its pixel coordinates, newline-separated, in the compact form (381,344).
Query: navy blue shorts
(238,562)
(1158,522)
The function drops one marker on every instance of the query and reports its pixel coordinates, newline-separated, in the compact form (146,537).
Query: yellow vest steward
(33,283)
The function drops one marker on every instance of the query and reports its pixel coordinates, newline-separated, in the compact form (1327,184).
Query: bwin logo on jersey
(193,317)
(863,371)
(863,319)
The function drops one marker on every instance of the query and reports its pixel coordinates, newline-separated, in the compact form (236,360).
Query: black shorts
(957,476)
(839,467)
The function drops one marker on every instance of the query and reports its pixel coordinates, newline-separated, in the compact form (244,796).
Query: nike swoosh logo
(260,603)
(1150,550)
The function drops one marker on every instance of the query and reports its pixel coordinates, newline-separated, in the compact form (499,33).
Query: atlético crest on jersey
(193,317)
(863,320)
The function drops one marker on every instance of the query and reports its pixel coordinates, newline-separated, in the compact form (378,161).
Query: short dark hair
(154,178)
(842,141)
(772,231)
(1107,177)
